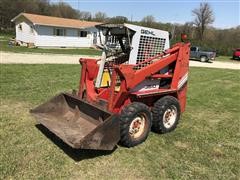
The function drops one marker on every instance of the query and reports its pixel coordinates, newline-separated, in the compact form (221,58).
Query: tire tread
(126,118)
(158,110)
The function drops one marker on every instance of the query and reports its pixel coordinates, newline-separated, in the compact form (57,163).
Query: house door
(94,38)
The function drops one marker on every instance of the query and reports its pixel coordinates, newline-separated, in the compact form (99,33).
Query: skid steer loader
(139,84)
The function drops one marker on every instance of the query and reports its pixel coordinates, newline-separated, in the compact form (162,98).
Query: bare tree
(189,29)
(203,17)
(100,16)
(64,10)
(118,20)
(148,21)
(85,15)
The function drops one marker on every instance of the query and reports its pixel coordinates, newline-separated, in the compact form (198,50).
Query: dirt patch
(217,153)
(181,145)
(14,108)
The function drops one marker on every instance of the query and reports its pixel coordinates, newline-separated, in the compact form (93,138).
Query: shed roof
(55,21)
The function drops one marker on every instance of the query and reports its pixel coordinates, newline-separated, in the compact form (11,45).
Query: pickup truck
(202,55)
(236,54)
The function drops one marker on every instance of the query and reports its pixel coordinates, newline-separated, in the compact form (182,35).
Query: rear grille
(149,47)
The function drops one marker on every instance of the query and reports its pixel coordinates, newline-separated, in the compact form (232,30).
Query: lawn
(19,49)
(205,145)
(225,59)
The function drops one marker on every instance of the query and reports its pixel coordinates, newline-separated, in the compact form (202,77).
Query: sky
(226,12)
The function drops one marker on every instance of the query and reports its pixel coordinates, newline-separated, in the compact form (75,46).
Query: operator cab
(129,44)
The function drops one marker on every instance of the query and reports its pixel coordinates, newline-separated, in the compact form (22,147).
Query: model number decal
(143,31)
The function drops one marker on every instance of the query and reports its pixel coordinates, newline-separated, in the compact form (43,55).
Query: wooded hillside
(221,40)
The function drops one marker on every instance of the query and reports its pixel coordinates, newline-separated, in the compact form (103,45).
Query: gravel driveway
(27,58)
(217,64)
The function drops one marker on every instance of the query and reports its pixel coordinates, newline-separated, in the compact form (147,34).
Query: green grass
(20,49)
(226,59)
(205,145)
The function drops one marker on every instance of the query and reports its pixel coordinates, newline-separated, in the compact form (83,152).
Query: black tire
(203,59)
(128,117)
(159,112)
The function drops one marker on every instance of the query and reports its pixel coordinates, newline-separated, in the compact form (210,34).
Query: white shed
(47,31)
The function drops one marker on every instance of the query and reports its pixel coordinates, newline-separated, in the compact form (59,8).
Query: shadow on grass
(234,59)
(75,154)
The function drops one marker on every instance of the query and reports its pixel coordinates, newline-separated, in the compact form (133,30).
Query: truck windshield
(193,49)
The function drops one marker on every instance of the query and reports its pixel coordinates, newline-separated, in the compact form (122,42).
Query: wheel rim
(169,117)
(202,59)
(137,126)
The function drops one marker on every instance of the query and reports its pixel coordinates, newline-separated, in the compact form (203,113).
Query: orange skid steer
(139,84)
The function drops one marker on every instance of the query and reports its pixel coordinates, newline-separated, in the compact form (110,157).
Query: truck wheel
(166,114)
(135,124)
(203,59)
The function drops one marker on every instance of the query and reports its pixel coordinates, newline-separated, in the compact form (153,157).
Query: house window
(82,33)
(59,32)
(20,27)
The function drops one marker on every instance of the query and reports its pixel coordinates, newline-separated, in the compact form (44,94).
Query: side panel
(183,76)
(182,97)
(46,37)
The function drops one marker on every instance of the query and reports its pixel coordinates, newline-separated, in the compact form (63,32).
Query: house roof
(55,21)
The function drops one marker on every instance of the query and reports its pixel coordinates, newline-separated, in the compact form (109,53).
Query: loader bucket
(79,124)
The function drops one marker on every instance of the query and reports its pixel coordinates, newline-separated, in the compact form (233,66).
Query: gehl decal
(143,31)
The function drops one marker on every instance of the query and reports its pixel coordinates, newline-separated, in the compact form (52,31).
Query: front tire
(135,124)
(166,114)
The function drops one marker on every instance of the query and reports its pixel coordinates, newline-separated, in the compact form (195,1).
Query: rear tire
(135,124)
(203,59)
(166,114)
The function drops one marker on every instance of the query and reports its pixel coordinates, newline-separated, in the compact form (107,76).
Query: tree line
(199,30)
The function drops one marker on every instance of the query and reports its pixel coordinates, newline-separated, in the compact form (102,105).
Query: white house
(47,31)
